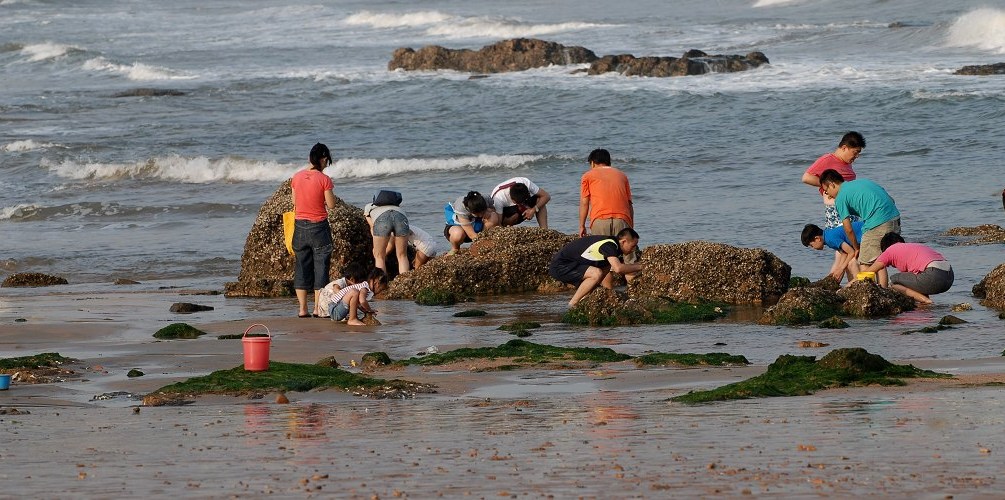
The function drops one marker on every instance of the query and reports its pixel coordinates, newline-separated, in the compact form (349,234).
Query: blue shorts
(390,222)
(340,311)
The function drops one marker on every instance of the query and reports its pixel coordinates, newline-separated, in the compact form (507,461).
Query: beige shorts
(608,227)
(868,248)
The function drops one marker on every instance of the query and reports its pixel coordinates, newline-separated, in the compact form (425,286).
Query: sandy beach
(593,432)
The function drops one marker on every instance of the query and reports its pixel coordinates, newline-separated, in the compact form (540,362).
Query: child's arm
(845,256)
(365,306)
(467,226)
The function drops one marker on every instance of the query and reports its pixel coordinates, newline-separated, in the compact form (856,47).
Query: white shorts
(423,242)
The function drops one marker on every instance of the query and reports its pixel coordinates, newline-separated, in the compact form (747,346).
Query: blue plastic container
(4,382)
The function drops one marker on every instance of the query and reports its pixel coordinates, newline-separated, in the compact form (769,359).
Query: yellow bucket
(866,275)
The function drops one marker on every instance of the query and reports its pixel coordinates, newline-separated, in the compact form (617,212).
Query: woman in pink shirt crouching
(923,271)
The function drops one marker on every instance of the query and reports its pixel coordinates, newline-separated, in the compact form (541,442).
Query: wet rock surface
(603,307)
(516,54)
(692,62)
(32,280)
(519,54)
(502,260)
(267,267)
(991,289)
(865,299)
(802,306)
(698,271)
(188,308)
(982,69)
(984,234)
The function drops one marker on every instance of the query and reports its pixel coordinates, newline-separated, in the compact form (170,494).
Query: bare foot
(355,322)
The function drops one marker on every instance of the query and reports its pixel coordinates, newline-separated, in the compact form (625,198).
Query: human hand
(529,213)
(582,231)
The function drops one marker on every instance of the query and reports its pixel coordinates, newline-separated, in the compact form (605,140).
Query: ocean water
(94,187)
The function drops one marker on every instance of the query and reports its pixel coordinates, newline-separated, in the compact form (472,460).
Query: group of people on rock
(862,225)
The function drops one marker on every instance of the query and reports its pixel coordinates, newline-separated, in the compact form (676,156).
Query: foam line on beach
(440,24)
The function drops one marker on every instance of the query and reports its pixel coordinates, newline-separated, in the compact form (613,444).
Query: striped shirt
(358,286)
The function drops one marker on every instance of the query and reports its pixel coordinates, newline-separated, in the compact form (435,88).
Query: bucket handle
(267,331)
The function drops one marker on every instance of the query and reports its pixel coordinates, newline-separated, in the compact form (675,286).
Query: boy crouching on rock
(352,303)
(845,264)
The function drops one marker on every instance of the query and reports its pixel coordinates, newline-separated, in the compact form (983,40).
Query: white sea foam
(202,170)
(392,20)
(17,211)
(772,3)
(48,50)
(26,145)
(982,28)
(135,71)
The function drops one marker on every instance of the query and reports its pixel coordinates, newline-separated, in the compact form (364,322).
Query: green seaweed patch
(798,316)
(520,325)
(522,351)
(798,281)
(833,322)
(644,311)
(793,375)
(521,333)
(470,313)
(179,331)
(689,359)
(43,360)
(135,373)
(437,297)
(280,376)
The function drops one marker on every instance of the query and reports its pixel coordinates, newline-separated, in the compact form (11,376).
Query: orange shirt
(309,188)
(609,193)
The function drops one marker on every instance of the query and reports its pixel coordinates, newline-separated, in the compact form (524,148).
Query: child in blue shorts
(836,238)
(352,303)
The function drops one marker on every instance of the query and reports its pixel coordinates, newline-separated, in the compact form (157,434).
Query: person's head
(830,182)
(628,240)
(354,272)
(377,279)
(850,147)
(520,193)
(599,157)
(475,203)
(890,239)
(813,237)
(320,157)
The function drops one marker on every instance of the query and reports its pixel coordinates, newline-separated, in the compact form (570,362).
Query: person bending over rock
(466,217)
(518,199)
(923,271)
(587,261)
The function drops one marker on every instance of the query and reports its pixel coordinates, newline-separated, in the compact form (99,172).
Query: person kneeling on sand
(352,303)
(587,261)
(923,271)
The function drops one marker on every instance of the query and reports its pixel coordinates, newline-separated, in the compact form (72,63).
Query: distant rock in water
(517,54)
(32,280)
(188,307)
(520,54)
(991,289)
(693,62)
(266,266)
(149,92)
(981,235)
(982,69)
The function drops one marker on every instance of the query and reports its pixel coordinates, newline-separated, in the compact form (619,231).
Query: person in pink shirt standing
(312,234)
(848,150)
(923,271)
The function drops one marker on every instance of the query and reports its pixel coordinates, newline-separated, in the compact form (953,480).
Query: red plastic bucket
(256,350)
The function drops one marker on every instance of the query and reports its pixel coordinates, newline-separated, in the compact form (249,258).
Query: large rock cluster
(33,280)
(991,289)
(501,260)
(979,235)
(693,62)
(521,54)
(698,271)
(266,266)
(982,69)
(516,54)
(862,299)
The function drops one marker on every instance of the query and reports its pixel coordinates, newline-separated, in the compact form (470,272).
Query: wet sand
(597,432)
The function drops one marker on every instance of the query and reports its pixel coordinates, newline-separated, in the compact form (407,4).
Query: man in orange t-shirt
(606,196)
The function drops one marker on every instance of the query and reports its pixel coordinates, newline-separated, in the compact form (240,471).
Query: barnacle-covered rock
(865,299)
(802,306)
(266,266)
(698,271)
(991,289)
(984,234)
(603,307)
(502,260)
(32,280)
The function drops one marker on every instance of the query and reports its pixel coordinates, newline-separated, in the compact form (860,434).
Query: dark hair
(519,193)
(354,271)
(627,233)
(852,140)
(377,274)
(475,202)
(320,153)
(810,231)
(831,176)
(600,157)
(889,239)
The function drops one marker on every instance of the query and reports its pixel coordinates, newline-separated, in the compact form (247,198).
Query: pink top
(309,188)
(909,257)
(831,162)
